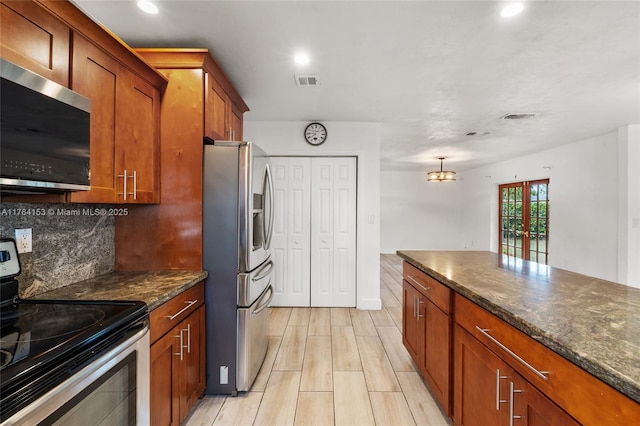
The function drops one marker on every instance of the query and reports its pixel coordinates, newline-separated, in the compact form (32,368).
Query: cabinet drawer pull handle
(189,303)
(512,391)
(498,400)
(538,373)
(413,279)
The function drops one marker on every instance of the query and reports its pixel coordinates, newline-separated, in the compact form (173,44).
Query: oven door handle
(265,305)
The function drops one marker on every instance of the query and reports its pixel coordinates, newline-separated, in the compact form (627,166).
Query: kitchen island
(592,323)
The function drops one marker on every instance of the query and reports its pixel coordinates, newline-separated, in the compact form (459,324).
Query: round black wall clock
(315,134)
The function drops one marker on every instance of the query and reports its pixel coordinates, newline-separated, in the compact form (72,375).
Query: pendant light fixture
(441,175)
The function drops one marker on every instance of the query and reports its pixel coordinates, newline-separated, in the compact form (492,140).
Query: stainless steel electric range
(70,362)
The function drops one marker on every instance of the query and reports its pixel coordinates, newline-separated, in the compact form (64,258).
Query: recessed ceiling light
(148,7)
(301,59)
(512,9)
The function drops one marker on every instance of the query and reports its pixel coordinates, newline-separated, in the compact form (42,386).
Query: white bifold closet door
(314,240)
(291,241)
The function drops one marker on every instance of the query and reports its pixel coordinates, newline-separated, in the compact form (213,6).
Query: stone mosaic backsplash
(71,243)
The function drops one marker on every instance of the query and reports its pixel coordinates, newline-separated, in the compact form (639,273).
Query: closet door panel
(333,236)
(291,237)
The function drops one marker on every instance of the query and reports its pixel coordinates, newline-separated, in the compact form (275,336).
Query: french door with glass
(524,220)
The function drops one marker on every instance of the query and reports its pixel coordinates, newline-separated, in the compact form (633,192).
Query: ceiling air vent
(519,115)
(307,80)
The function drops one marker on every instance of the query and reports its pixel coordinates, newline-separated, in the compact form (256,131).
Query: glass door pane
(524,218)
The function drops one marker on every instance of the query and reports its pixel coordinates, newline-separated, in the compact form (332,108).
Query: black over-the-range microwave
(44,141)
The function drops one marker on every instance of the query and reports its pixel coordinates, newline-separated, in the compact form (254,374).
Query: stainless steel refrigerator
(237,230)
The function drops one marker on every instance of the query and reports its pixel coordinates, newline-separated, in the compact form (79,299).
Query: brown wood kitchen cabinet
(427,330)
(124,128)
(491,356)
(196,103)
(177,357)
(489,392)
(35,39)
(222,117)
(57,41)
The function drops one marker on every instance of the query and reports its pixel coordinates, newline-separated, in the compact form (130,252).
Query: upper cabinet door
(215,114)
(34,39)
(124,128)
(95,75)
(137,140)
(235,118)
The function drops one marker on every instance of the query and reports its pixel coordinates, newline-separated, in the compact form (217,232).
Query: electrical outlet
(23,240)
(224,375)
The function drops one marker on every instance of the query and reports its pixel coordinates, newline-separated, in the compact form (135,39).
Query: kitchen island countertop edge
(593,323)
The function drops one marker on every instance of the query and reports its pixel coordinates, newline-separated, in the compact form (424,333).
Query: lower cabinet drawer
(166,316)
(435,291)
(583,396)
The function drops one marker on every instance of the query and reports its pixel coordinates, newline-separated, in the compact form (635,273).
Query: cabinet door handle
(188,330)
(124,185)
(420,302)
(414,306)
(413,279)
(512,391)
(135,185)
(179,336)
(538,373)
(498,400)
(189,303)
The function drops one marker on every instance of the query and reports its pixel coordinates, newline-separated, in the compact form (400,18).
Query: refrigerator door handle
(269,230)
(265,305)
(264,271)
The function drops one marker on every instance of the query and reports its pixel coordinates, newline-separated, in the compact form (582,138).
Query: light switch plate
(23,240)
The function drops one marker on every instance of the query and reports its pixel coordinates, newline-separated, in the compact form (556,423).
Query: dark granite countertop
(153,288)
(591,322)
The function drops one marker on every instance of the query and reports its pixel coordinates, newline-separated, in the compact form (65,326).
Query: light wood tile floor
(333,366)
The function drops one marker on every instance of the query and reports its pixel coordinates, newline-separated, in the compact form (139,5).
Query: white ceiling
(429,71)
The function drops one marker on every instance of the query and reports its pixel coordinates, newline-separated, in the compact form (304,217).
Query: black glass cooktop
(44,342)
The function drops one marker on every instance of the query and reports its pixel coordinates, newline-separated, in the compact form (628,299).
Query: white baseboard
(370,304)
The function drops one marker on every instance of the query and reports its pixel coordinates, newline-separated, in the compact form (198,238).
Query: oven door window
(109,400)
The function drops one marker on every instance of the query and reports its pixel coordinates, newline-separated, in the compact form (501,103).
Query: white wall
(355,139)
(583,206)
(629,205)
(584,198)
(418,215)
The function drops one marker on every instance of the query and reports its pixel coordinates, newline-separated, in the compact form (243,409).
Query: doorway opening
(524,220)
